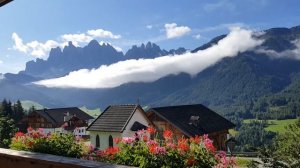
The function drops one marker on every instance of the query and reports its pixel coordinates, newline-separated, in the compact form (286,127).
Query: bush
(284,150)
(57,144)
(141,151)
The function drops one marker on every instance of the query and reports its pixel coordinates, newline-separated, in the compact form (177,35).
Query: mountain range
(247,84)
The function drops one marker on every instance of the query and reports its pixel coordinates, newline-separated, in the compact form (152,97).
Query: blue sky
(169,23)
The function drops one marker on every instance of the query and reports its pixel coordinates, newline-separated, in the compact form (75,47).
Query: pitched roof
(207,121)
(114,118)
(4,2)
(56,116)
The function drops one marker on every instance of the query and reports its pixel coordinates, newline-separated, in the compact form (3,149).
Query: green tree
(18,111)
(253,136)
(7,131)
(285,149)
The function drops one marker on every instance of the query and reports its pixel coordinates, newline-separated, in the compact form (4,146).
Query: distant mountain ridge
(237,85)
(71,58)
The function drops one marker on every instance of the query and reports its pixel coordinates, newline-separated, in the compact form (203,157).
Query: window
(97,141)
(110,141)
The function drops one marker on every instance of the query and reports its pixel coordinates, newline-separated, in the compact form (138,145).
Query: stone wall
(22,159)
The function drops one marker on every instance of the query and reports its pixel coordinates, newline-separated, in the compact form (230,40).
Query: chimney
(67,116)
(194,120)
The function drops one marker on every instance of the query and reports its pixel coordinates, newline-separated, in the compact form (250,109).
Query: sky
(30,28)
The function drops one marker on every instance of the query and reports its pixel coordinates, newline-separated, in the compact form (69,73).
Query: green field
(27,104)
(276,125)
(94,112)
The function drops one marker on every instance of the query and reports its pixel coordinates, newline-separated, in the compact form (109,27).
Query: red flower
(151,130)
(152,149)
(168,134)
(19,134)
(196,139)
(100,153)
(208,144)
(112,150)
(210,147)
(117,140)
(35,135)
(145,138)
(183,145)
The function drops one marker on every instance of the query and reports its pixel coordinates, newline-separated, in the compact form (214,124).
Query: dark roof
(4,2)
(180,117)
(138,126)
(114,118)
(56,116)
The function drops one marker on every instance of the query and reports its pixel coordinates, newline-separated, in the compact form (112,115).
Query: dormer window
(194,120)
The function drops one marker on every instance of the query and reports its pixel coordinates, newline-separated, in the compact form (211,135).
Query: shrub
(141,151)
(57,144)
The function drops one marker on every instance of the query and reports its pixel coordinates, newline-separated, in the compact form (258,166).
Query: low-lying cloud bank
(149,70)
(291,54)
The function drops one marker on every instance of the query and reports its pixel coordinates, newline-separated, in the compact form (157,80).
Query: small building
(62,120)
(191,120)
(117,121)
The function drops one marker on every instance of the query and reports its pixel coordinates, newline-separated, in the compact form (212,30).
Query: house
(4,2)
(75,125)
(191,120)
(117,121)
(58,120)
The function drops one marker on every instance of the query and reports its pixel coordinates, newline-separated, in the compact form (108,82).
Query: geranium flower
(29,129)
(19,134)
(151,130)
(117,140)
(112,150)
(183,145)
(196,139)
(128,140)
(145,138)
(171,145)
(41,130)
(152,143)
(100,153)
(157,150)
(208,144)
(168,134)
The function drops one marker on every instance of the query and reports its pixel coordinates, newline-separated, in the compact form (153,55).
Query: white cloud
(34,48)
(19,45)
(39,49)
(149,26)
(173,31)
(1,62)
(197,36)
(100,33)
(148,70)
(77,38)
(292,53)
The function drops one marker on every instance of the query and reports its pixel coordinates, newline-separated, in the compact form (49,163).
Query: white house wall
(104,136)
(137,116)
